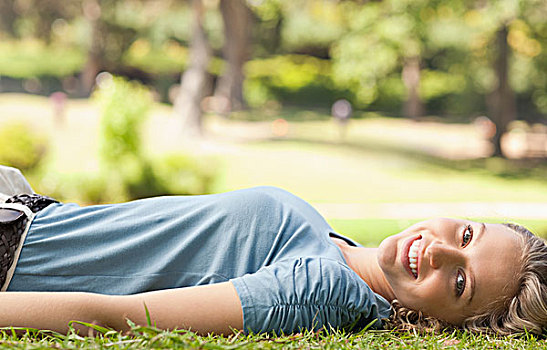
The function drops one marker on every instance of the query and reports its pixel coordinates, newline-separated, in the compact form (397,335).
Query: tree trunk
(501,102)
(92,13)
(195,81)
(413,106)
(236,50)
(7,17)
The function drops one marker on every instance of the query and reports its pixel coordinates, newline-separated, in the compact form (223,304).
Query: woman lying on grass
(260,260)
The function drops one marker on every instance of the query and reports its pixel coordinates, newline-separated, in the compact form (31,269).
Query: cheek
(429,297)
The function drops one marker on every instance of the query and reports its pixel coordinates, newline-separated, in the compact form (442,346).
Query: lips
(405,256)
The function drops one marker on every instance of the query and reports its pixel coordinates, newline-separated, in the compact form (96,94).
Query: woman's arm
(211,308)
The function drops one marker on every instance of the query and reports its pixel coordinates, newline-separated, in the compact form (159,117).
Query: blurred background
(379,113)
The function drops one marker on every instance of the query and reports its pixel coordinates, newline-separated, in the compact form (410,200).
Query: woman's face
(451,269)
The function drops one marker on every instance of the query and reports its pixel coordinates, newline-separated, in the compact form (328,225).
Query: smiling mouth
(411,255)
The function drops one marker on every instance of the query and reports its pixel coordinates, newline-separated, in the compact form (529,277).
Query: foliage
(175,174)
(21,147)
(363,46)
(299,79)
(170,58)
(127,173)
(455,42)
(182,174)
(150,337)
(300,17)
(125,106)
(32,58)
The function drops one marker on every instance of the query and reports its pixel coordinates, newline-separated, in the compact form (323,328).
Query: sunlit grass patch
(150,337)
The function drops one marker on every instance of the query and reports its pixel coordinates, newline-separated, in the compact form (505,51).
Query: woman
(259,260)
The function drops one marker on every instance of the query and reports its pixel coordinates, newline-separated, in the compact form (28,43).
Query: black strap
(35,202)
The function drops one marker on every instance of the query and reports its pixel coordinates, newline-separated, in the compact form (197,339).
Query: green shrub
(21,147)
(182,174)
(294,79)
(125,105)
(128,173)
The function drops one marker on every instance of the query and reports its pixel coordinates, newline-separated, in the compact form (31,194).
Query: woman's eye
(460,283)
(467,235)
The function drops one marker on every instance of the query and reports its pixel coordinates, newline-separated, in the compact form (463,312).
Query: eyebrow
(472,275)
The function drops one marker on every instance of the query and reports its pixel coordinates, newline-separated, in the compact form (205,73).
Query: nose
(440,254)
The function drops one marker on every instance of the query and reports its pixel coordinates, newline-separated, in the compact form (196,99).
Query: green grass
(364,169)
(152,338)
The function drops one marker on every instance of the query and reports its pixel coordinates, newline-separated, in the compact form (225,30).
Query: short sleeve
(307,293)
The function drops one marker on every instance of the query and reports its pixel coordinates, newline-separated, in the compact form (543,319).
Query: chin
(387,253)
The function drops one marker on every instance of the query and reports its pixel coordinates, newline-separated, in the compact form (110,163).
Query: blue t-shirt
(273,246)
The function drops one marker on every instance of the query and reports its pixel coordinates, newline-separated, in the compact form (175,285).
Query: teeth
(413,255)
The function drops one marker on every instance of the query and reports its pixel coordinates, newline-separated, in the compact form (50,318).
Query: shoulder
(309,280)
(310,293)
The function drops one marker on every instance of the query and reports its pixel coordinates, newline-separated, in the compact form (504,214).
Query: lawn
(385,174)
(151,338)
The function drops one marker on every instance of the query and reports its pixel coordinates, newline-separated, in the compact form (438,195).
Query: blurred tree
(502,103)
(527,38)
(310,27)
(237,30)
(35,18)
(110,37)
(195,81)
(7,17)
(384,44)
(92,13)
(268,22)
(510,47)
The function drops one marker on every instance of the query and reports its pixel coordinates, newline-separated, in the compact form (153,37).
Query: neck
(364,262)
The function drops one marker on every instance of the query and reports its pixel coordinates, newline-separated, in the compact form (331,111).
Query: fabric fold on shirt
(308,293)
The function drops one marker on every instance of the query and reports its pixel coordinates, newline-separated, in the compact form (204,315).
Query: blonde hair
(526,311)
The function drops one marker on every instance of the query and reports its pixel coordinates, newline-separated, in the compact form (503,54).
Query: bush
(126,173)
(181,174)
(293,79)
(21,147)
(125,105)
